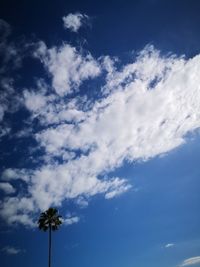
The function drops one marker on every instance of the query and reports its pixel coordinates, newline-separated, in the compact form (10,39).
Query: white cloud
(147,109)
(13,174)
(67,67)
(18,210)
(117,191)
(70,220)
(50,185)
(11,250)
(34,101)
(48,112)
(7,188)
(69,180)
(191,261)
(169,245)
(148,122)
(74,21)
(9,174)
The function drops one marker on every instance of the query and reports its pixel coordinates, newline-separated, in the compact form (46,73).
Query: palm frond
(49,218)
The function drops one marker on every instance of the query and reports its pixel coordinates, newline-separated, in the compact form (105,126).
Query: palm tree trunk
(50,245)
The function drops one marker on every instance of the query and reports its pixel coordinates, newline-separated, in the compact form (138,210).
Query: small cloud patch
(170,245)
(70,220)
(74,21)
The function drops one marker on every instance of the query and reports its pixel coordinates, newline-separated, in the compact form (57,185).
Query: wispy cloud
(190,261)
(11,250)
(169,245)
(71,220)
(74,21)
(11,58)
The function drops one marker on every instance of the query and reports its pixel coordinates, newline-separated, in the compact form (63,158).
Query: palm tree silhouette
(49,220)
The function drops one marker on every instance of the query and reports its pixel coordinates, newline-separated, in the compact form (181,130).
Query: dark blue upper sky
(117,27)
(102,123)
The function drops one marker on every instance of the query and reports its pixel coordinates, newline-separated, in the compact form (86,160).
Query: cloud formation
(73,22)
(67,66)
(191,261)
(142,109)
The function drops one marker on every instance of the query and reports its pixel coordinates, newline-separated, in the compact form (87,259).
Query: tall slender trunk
(49,245)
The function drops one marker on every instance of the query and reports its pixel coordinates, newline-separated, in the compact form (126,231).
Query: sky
(100,118)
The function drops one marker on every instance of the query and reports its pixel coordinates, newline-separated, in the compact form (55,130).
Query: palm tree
(49,220)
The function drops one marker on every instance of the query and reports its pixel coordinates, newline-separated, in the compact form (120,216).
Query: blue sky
(100,117)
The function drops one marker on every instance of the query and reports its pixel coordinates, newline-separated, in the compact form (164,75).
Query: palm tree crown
(49,219)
